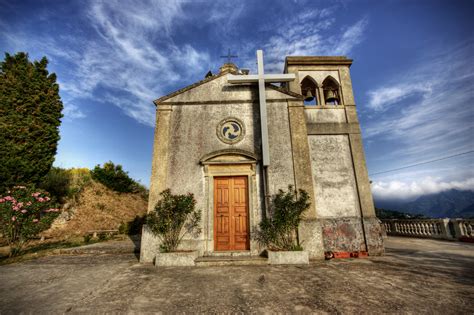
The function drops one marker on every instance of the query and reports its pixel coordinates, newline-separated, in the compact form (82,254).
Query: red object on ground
(342,255)
(361,254)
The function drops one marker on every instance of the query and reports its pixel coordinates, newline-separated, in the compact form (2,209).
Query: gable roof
(214,77)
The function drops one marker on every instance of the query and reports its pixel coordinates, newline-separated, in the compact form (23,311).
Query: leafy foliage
(133,227)
(24,213)
(280,230)
(57,182)
(66,183)
(174,217)
(30,113)
(115,178)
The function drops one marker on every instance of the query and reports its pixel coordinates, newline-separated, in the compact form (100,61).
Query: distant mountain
(447,204)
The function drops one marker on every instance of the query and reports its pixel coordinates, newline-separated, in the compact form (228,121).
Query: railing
(449,229)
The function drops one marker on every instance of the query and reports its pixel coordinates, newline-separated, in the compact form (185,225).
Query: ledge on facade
(210,158)
(317,60)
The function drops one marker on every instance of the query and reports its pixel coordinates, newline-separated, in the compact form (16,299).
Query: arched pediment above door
(229,156)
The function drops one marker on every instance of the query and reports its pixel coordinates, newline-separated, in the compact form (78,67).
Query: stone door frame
(230,164)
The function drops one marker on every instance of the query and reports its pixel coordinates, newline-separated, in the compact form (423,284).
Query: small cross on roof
(229,56)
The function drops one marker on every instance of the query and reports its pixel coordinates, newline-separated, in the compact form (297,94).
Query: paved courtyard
(415,276)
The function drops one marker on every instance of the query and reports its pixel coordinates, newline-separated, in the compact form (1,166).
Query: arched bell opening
(309,89)
(331,90)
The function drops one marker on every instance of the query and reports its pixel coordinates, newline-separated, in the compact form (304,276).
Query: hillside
(451,204)
(96,208)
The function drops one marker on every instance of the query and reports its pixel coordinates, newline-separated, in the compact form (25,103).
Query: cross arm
(231,78)
(269,78)
(274,78)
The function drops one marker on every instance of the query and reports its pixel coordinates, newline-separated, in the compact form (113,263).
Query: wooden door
(231,213)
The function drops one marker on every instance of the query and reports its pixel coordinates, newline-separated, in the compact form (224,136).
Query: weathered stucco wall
(326,115)
(280,171)
(333,176)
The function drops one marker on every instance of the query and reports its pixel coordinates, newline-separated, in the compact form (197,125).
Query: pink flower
(41,199)
(2,200)
(13,218)
(16,208)
(35,220)
(23,211)
(28,203)
(36,194)
(47,198)
(19,205)
(8,198)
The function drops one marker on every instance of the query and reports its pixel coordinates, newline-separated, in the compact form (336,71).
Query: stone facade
(317,148)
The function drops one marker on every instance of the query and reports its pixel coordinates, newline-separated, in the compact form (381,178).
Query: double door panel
(231,213)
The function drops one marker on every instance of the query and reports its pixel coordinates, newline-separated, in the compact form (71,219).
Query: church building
(235,138)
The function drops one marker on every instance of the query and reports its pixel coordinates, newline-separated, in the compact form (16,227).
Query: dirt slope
(96,208)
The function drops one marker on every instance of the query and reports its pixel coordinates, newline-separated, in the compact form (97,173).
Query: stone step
(230,261)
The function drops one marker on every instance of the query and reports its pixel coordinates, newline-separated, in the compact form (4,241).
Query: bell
(309,96)
(331,97)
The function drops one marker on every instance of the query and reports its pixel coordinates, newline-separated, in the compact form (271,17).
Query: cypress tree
(30,113)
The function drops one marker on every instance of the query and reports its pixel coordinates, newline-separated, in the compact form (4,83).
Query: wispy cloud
(71,112)
(400,190)
(132,55)
(312,33)
(137,55)
(381,98)
(430,107)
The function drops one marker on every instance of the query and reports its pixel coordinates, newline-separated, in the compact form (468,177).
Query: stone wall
(333,176)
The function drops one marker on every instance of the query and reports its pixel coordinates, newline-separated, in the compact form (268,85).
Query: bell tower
(343,203)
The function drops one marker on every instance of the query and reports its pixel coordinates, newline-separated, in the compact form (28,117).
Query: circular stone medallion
(230,130)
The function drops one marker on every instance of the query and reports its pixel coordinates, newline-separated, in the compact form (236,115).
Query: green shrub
(115,178)
(80,178)
(24,213)
(133,227)
(174,216)
(57,183)
(87,238)
(280,230)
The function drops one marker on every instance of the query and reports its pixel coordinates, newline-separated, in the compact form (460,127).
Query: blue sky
(412,75)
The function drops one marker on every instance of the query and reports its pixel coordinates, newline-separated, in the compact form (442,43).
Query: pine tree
(30,113)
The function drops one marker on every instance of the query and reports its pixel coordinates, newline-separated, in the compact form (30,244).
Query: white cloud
(352,36)
(307,34)
(71,111)
(382,97)
(399,190)
(135,58)
(430,108)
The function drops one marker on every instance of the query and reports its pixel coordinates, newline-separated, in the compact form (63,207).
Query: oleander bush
(279,231)
(174,216)
(24,213)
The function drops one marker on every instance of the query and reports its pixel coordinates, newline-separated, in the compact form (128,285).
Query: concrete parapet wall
(448,229)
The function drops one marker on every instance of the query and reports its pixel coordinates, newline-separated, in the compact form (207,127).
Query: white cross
(261,78)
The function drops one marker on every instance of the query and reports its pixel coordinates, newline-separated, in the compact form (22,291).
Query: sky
(412,74)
